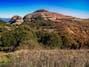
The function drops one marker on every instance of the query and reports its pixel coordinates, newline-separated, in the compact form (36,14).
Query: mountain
(47,15)
(73,31)
(5,19)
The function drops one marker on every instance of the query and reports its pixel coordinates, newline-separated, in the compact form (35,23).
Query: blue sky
(76,8)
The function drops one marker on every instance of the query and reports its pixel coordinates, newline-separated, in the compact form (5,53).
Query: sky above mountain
(76,8)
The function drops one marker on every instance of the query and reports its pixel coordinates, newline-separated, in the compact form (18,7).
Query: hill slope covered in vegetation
(43,29)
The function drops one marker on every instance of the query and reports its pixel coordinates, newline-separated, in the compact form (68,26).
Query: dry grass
(50,58)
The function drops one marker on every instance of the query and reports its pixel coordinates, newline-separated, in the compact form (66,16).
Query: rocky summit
(16,20)
(46,15)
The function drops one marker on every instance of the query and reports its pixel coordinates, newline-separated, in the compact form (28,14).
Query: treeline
(24,37)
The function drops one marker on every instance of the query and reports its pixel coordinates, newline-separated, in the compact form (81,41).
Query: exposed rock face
(16,20)
(46,15)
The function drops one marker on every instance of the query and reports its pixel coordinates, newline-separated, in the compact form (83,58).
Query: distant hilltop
(47,15)
(42,13)
(5,19)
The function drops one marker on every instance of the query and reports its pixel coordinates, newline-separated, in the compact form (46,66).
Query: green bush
(39,22)
(10,40)
(51,40)
(7,41)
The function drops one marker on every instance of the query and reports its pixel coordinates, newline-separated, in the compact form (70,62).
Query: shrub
(69,42)
(51,40)
(10,40)
(39,22)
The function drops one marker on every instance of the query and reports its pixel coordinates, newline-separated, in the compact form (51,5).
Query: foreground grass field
(45,58)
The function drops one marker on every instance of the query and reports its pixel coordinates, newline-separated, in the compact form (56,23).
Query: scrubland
(45,58)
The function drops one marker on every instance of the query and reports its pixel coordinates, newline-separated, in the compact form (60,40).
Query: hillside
(4,26)
(43,29)
(73,31)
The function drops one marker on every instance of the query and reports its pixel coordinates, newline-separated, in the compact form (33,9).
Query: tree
(10,40)
(51,40)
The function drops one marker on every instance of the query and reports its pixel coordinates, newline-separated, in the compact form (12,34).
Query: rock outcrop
(16,20)
(46,15)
